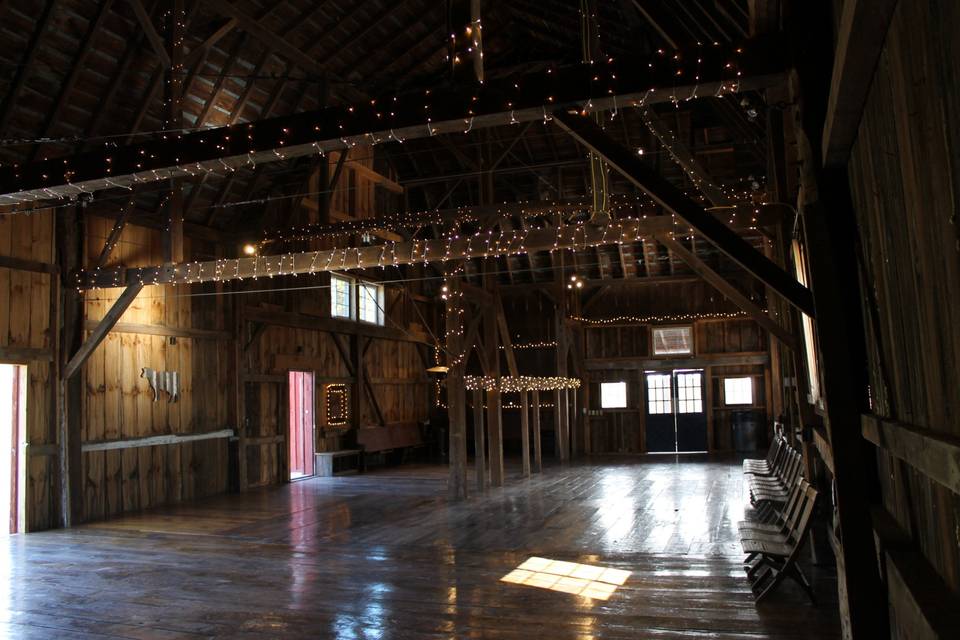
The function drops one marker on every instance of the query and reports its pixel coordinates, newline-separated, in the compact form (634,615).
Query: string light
(681,317)
(517,384)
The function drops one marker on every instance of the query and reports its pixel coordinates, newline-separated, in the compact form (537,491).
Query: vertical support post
(585,417)
(573,423)
(558,424)
(525,431)
(479,442)
(176,78)
(491,343)
(240,389)
(537,454)
(708,400)
(70,234)
(566,424)
(456,395)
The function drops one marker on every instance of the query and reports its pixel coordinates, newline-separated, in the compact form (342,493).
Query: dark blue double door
(676,418)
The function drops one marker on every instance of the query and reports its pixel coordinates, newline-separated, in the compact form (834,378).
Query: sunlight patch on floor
(589,581)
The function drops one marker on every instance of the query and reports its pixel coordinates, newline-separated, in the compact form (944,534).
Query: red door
(301,424)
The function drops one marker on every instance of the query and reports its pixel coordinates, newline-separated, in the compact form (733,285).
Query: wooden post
(456,398)
(525,432)
(708,405)
(537,454)
(177,17)
(566,424)
(585,416)
(558,424)
(240,390)
(494,410)
(479,442)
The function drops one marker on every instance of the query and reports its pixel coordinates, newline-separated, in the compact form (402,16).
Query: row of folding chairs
(783,503)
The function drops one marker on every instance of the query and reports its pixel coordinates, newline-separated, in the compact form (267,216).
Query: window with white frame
(690,392)
(341,296)
(672,340)
(613,395)
(658,393)
(370,302)
(738,390)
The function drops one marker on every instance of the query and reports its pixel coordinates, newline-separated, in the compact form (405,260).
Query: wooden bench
(323,461)
(394,437)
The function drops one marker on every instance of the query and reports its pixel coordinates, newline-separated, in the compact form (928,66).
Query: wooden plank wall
(395,371)
(621,431)
(25,323)
(118,402)
(905,179)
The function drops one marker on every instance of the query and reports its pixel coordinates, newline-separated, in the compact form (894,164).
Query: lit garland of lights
(225,149)
(338,413)
(517,384)
(681,317)
(546,344)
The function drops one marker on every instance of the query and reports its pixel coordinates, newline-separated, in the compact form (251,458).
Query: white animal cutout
(168,381)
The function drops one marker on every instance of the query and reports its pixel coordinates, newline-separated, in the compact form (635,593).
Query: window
(341,297)
(672,340)
(658,393)
(806,322)
(690,392)
(370,303)
(738,390)
(613,395)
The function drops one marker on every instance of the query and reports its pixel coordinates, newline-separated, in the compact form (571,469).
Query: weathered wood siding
(118,402)
(905,179)
(25,323)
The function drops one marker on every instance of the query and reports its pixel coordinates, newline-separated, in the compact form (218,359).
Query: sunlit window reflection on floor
(584,580)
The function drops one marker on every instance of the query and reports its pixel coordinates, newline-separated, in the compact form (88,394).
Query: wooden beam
(537,444)
(860,38)
(696,362)
(479,441)
(162,330)
(150,31)
(935,455)
(154,441)
(685,158)
(101,330)
(114,236)
(672,199)
(279,44)
(12,93)
(729,291)
(761,64)
(525,432)
(22,264)
(25,355)
(505,338)
(456,400)
(391,254)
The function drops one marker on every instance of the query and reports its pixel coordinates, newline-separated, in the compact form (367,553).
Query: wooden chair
(773,556)
(765,466)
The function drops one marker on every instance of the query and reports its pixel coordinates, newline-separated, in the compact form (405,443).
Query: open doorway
(12,420)
(301,424)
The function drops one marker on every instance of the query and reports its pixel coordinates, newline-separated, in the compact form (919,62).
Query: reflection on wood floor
(384,555)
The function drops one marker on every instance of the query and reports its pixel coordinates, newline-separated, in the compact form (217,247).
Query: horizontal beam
(162,330)
(935,455)
(20,264)
(753,65)
(334,325)
(153,441)
(625,161)
(24,355)
(479,245)
(696,362)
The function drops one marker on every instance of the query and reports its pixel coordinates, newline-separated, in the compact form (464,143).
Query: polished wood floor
(384,555)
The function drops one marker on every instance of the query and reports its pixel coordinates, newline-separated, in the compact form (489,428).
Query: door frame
(18,462)
(287,420)
(674,406)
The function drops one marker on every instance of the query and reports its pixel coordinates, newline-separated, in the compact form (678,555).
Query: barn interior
(479,319)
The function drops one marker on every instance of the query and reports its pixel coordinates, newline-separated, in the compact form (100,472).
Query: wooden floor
(384,555)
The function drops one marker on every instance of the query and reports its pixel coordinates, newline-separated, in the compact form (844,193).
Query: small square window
(672,340)
(370,303)
(613,395)
(341,297)
(738,390)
